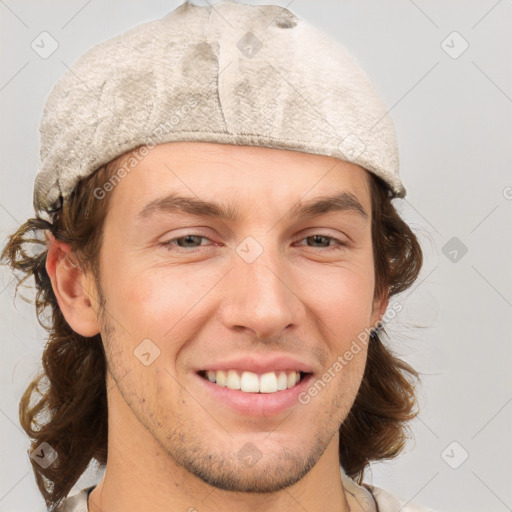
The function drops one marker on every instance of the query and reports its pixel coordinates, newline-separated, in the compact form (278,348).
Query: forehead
(248,176)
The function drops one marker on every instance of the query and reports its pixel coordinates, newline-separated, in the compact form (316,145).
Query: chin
(253,477)
(251,465)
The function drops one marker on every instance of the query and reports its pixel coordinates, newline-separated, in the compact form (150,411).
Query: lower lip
(257,404)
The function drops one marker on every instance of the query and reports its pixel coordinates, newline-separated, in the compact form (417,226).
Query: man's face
(267,291)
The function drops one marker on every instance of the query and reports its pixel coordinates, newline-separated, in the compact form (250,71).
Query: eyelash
(167,244)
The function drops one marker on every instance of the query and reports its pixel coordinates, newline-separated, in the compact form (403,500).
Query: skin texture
(171,446)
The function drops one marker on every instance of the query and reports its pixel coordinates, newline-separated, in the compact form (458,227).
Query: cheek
(342,296)
(152,302)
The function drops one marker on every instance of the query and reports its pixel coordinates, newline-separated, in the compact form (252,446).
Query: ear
(379,308)
(75,291)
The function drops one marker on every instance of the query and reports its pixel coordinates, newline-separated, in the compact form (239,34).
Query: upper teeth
(251,382)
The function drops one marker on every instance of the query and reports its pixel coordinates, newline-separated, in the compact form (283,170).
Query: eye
(319,238)
(188,239)
(193,241)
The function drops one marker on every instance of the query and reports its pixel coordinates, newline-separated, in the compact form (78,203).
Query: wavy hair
(66,404)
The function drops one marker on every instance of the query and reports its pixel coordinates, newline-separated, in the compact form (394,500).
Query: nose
(260,296)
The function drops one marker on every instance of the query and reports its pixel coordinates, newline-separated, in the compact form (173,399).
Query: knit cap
(228,73)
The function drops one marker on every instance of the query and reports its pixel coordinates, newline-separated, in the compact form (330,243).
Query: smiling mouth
(250,382)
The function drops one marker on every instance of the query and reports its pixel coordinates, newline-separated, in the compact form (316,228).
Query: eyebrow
(171,203)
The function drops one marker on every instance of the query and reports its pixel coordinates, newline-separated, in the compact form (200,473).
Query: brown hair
(376,426)
(66,404)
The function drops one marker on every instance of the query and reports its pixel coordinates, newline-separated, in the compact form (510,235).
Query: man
(243,371)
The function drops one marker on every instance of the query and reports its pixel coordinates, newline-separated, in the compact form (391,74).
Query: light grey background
(453,119)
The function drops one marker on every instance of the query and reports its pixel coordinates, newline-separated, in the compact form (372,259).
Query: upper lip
(260,364)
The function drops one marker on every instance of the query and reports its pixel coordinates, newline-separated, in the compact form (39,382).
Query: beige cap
(228,73)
